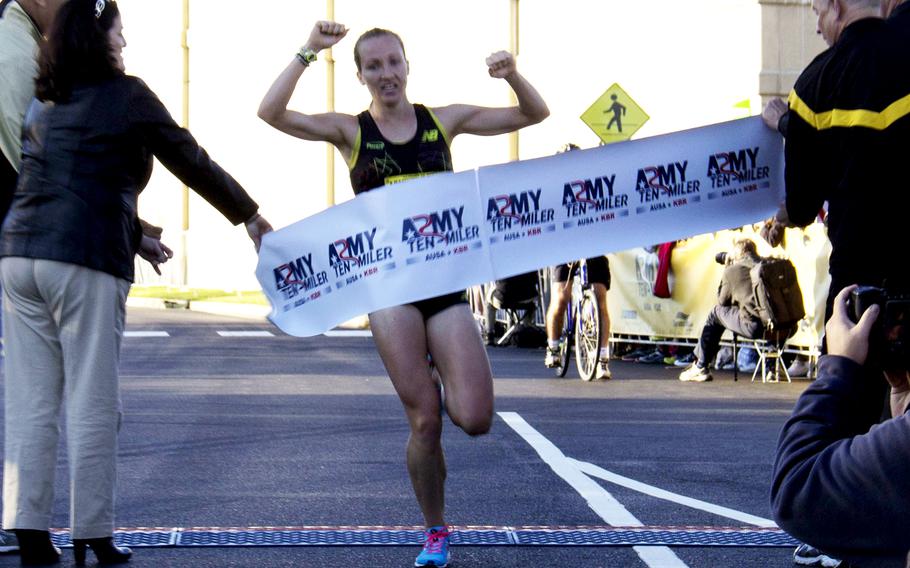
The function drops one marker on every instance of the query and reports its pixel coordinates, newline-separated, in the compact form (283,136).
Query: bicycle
(581,328)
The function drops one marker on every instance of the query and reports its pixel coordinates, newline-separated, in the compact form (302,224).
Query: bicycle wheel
(587,336)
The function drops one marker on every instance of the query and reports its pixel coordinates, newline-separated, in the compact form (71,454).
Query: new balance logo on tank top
(377,161)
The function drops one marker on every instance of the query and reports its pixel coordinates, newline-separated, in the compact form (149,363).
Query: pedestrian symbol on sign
(618,110)
(614,116)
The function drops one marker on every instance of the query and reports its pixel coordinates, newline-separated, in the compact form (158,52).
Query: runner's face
(827,20)
(383,68)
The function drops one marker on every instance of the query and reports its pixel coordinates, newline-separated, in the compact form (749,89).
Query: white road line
(349,333)
(246,334)
(600,473)
(146,334)
(598,498)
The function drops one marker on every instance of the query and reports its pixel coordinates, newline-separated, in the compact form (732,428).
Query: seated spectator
(735,310)
(840,479)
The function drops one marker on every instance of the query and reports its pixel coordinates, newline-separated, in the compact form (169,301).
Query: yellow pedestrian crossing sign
(614,116)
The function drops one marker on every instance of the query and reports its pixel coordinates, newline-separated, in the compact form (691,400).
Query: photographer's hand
(845,338)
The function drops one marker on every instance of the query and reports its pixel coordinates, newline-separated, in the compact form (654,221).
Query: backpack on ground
(777,295)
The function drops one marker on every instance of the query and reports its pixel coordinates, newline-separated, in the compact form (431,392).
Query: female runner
(392,140)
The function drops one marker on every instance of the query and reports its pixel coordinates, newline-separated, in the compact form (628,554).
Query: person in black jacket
(847,132)
(847,135)
(841,481)
(736,310)
(68,246)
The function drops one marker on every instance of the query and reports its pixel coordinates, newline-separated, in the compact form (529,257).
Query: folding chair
(770,347)
(517,296)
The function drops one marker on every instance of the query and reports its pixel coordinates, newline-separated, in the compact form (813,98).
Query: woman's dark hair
(77,49)
(370,34)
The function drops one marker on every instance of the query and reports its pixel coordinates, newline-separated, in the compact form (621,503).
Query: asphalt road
(253,431)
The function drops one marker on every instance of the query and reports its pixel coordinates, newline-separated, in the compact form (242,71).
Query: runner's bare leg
(401,337)
(460,357)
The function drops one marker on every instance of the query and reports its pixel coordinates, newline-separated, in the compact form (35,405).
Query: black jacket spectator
(847,142)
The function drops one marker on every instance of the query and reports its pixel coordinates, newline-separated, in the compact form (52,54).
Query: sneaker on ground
(695,374)
(799,368)
(603,370)
(806,555)
(8,542)
(635,355)
(685,360)
(436,548)
(653,358)
(551,359)
(670,360)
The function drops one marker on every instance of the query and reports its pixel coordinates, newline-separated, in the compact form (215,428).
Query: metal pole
(330,107)
(185,122)
(514,30)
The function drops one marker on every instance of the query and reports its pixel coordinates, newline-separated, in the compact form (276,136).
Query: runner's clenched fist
(325,34)
(501,64)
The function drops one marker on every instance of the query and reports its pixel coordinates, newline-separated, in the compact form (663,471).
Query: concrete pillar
(789,43)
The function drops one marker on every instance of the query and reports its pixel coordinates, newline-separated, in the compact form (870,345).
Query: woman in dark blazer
(68,246)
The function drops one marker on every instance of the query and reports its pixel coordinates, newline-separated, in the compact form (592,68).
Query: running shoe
(685,360)
(653,358)
(603,370)
(551,359)
(806,555)
(696,374)
(436,548)
(799,368)
(634,355)
(8,542)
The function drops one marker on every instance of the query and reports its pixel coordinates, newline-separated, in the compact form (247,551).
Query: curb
(254,312)
(246,311)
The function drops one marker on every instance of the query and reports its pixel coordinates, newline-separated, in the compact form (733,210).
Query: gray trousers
(62,325)
(721,318)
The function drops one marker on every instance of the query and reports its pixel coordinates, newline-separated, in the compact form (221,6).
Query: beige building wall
(789,42)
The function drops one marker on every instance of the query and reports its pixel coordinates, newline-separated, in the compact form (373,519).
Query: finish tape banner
(443,233)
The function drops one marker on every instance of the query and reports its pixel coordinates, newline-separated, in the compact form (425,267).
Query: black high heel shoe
(36,548)
(104,550)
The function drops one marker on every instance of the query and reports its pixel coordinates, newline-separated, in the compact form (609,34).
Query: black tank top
(377,161)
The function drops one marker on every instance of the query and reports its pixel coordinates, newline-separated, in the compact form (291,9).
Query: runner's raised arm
(487,121)
(336,128)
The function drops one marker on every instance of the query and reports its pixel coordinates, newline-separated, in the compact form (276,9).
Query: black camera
(721,257)
(890,337)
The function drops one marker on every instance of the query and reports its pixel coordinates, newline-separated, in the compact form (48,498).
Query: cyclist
(561,295)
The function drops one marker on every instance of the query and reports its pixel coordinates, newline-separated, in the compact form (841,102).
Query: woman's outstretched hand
(256,227)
